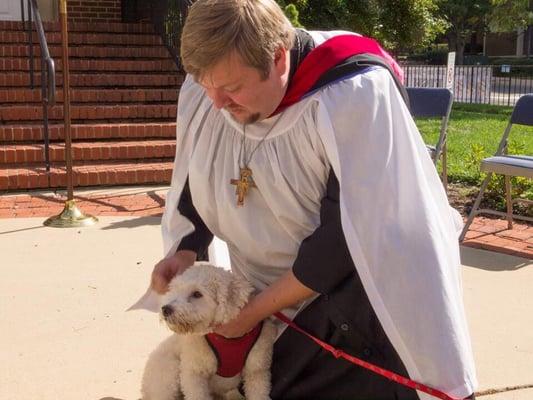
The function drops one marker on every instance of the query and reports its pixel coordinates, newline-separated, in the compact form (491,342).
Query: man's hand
(168,268)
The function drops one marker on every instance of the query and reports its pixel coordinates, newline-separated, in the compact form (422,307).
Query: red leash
(380,371)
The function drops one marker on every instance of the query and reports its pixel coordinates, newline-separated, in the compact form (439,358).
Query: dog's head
(202,297)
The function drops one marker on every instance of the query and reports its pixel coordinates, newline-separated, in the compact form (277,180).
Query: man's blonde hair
(255,29)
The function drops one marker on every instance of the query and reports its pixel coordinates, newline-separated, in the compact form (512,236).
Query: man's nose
(220,99)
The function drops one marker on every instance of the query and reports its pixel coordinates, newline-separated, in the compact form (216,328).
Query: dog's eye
(197,295)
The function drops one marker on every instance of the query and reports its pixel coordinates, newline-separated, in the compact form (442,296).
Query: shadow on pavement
(110,398)
(22,230)
(491,261)
(134,222)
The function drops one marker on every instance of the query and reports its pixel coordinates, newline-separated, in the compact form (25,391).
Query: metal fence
(486,84)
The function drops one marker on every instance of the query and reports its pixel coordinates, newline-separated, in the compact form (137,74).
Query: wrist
(259,307)
(287,291)
(251,315)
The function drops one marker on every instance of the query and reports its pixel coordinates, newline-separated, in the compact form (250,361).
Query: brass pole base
(70,217)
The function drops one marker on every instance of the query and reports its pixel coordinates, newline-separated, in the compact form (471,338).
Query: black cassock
(341,315)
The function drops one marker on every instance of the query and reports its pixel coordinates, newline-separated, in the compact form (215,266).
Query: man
(327,199)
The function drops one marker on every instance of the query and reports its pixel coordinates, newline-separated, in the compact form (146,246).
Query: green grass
(474,132)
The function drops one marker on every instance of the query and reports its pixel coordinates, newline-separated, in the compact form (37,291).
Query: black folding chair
(432,103)
(507,165)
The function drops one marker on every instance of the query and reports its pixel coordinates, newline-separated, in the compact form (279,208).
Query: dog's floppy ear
(239,291)
(233,299)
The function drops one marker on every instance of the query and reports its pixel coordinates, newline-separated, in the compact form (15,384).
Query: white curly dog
(185,365)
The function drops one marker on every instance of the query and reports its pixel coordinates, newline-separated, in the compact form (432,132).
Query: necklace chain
(245,181)
(243,162)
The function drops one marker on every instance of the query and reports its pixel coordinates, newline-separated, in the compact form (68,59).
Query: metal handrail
(168,17)
(48,73)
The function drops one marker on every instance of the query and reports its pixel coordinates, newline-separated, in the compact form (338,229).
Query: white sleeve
(399,227)
(192,107)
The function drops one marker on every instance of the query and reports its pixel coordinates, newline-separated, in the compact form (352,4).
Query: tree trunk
(456,43)
(527,41)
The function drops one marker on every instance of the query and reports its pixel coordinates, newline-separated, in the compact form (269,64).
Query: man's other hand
(169,267)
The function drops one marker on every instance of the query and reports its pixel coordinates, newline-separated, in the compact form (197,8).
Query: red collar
(232,353)
(326,56)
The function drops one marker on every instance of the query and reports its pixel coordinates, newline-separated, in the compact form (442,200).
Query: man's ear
(281,60)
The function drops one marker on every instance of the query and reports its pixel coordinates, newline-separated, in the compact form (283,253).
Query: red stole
(326,56)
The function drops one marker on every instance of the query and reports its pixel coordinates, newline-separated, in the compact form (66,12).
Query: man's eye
(197,295)
(233,90)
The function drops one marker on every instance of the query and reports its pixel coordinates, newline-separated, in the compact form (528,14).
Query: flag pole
(71,216)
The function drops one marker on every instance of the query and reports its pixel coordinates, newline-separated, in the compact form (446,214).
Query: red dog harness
(232,353)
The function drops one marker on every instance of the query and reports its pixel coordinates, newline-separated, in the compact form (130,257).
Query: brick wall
(94,10)
(501,44)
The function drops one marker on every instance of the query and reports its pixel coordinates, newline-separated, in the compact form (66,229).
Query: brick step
(18,50)
(11,26)
(76,39)
(105,27)
(87,174)
(89,151)
(86,113)
(34,133)
(100,65)
(18,79)
(92,96)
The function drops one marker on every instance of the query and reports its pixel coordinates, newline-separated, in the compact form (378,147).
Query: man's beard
(252,118)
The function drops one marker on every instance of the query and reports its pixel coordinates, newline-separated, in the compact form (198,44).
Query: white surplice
(400,230)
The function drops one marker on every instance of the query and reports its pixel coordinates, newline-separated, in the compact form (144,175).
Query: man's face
(243,91)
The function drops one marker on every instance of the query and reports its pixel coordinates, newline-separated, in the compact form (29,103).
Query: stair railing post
(22,17)
(44,98)
(30,42)
(48,85)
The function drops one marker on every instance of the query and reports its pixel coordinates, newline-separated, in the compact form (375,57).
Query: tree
(408,24)
(400,25)
(464,17)
(508,15)
(291,9)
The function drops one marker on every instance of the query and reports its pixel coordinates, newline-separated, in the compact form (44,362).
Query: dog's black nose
(167,310)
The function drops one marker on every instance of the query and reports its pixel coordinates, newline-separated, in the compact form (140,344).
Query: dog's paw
(234,395)
(161,373)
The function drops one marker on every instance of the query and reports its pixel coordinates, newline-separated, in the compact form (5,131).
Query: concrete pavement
(498,300)
(65,333)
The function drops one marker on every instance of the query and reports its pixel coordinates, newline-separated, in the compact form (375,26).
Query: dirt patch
(462,197)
